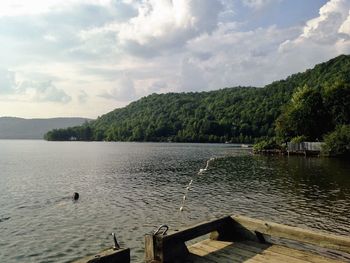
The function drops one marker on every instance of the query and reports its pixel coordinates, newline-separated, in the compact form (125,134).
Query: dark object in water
(75,196)
(4,219)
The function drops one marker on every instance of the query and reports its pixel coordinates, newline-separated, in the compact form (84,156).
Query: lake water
(131,188)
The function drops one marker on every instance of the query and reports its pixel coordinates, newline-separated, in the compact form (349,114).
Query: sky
(87,57)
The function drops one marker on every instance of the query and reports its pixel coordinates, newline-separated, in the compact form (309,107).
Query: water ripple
(131,188)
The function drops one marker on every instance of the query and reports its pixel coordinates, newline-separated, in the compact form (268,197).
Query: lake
(131,188)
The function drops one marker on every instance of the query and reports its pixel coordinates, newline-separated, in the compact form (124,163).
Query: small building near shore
(305,148)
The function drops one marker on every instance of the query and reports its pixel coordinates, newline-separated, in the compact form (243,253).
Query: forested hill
(19,128)
(239,114)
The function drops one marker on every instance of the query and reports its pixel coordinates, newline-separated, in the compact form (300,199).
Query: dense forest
(238,114)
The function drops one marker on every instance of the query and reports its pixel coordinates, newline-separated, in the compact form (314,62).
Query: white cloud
(325,28)
(345,27)
(160,26)
(157,86)
(323,37)
(7,81)
(58,49)
(29,91)
(83,96)
(50,37)
(229,57)
(18,7)
(211,55)
(44,91)
(192,76)
(257,4)
(165,22)
(123,90)
(34,7)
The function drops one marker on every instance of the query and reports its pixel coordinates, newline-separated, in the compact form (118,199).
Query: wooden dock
(252,252)
(236,239)
(110,255)
(242,239)
(304,148)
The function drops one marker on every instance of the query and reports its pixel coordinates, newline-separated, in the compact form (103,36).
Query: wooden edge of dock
(167,248)
(317,238)
(108,256)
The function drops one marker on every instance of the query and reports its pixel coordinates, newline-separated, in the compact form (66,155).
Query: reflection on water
(131,188)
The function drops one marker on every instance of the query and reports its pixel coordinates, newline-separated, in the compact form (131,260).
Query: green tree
(337,101)
(337,143)
(305,115)
(238,114)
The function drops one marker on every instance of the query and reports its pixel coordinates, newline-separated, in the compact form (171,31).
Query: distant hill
(18,128)
(238,114)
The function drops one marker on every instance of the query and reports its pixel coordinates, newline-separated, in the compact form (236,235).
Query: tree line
(307,104)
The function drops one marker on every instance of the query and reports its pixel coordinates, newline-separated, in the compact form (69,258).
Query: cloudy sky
(87,57)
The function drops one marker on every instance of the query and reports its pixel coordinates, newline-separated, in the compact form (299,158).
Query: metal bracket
(157,232)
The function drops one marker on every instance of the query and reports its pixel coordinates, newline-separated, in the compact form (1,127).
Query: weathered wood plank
(228,252)
(216,244)
(248,251)
(161,249)
(324,240)
(243,252)
(213,250)
(224,253)
(171,247)
(268,258)
(311,257)
(108,256)
(193,258)
(201,229)
(211,257)
(232,250)
(289,257)
(149,248)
